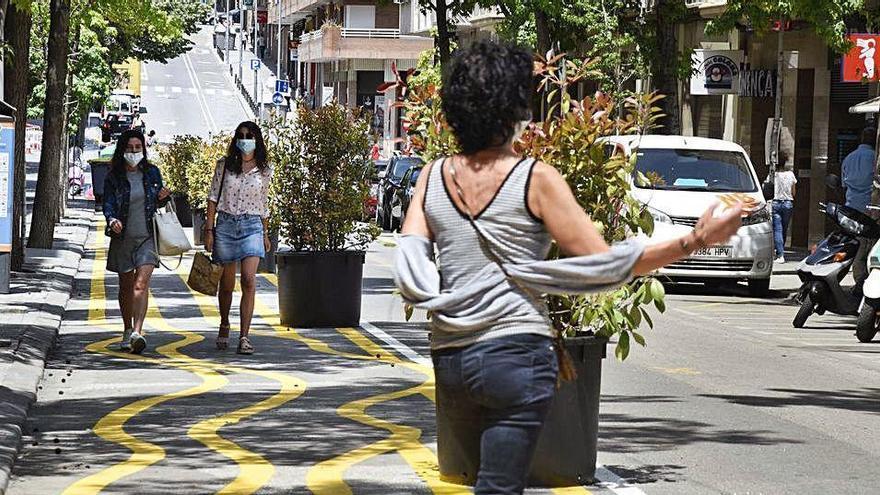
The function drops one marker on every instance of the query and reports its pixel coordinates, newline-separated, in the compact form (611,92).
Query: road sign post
(281,86)
(255,66)
(278,99)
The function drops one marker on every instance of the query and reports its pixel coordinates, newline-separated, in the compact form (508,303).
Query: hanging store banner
(862,62)
(716,72)
(758,83)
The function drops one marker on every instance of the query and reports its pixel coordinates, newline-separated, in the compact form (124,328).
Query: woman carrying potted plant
(239,200)
(132,192)
(493,216)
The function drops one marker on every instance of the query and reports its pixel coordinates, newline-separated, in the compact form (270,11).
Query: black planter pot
(567,446)
(184,213)
(198,226)
(320,289)
(267,264)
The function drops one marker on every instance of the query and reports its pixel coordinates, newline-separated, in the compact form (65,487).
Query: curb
(19,381)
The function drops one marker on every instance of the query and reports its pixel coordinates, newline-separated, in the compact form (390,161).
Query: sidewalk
(265,77)
(31,316)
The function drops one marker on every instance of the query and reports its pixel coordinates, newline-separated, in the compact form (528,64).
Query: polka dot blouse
(243,194)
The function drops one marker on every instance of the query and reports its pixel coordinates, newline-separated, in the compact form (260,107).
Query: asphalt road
(726,398)
(191,94)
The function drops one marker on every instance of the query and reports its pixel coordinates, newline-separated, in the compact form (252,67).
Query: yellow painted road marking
(112,426)
(255,470)
(327,476)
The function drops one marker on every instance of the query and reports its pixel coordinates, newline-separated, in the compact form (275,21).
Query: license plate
(715,252)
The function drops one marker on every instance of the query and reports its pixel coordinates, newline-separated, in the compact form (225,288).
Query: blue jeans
(494,396)
(782,211)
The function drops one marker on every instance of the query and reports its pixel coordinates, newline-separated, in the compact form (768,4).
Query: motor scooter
(823,270)
(869,313)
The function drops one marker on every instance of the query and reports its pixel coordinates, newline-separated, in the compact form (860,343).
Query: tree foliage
(826,17)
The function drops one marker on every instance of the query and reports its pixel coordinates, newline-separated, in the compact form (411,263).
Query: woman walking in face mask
(240,199)
(132,192)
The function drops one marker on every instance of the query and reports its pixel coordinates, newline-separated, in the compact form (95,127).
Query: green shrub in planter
(175,158)
(200,173)
(317,199)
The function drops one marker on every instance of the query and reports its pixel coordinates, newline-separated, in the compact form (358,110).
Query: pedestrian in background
(491,336)
(239,199)
(858,178)
(133,191)
(783,205)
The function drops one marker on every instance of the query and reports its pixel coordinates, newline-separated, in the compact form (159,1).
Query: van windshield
(695,170)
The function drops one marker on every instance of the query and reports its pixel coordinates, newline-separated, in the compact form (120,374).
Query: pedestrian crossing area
(178,90)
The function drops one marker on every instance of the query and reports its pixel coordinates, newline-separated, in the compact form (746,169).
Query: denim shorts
(237,237)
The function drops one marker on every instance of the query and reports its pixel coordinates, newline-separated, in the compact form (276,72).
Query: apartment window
(360,16)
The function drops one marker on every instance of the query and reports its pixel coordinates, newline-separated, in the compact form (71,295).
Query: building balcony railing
(335,43)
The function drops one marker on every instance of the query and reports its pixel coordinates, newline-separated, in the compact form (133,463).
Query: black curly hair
(487,92)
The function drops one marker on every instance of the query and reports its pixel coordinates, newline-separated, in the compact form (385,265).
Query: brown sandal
(223,338)
(244,346)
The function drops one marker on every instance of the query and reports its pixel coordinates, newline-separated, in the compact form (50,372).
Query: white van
(687,175)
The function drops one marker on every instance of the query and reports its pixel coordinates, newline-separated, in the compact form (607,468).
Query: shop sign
(716,72)
(758,83)
(862,62)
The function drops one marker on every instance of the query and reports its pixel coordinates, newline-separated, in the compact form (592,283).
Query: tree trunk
(444,50)
(16,89)
(542,28)
(664,71)
(46,200)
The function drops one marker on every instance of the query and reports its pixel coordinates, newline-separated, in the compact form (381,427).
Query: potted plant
(174,159)
(318,194)
(199,175)
(568,138)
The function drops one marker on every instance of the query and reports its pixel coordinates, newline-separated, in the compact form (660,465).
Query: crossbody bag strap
(567,370)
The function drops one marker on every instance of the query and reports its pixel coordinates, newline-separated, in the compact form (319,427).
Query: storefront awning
(870,106)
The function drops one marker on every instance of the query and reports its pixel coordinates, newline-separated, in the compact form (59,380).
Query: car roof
(655,141)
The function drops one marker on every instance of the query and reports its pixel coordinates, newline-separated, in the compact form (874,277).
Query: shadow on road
(858,400)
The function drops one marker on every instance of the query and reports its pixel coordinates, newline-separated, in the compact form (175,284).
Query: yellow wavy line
(111,427)
(327,477)
(421,459)
(255,470)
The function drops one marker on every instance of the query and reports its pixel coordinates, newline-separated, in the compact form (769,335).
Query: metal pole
(241,47)
(278,67)
(777,113)
(259,102)
(228,27)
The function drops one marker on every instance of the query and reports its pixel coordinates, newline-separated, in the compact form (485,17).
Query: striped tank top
(515,234)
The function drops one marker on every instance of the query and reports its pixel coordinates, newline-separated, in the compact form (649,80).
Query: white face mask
(134,158)
(520,129)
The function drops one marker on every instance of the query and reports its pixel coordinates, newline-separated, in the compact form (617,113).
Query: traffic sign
(278,98)
(255,64)
(281,86)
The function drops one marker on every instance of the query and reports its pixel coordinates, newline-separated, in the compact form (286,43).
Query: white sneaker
(125,345)
(138,343)
(780,260)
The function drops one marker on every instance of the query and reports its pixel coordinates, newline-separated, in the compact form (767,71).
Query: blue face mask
(246,145)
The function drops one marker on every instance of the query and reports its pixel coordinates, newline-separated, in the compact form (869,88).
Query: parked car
(397,168)
(403,196)
(114,125)
(687,175)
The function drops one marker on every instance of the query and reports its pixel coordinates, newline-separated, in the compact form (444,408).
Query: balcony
(332,43)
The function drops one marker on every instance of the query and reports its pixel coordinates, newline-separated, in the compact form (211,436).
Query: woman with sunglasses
(132,192)
(239,200)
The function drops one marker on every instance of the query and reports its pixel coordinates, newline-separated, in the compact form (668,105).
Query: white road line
(203,103)
(395,344)
(615,483)
(192,91)
(159,89)
(177,89)
(144,75)
(209,91)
